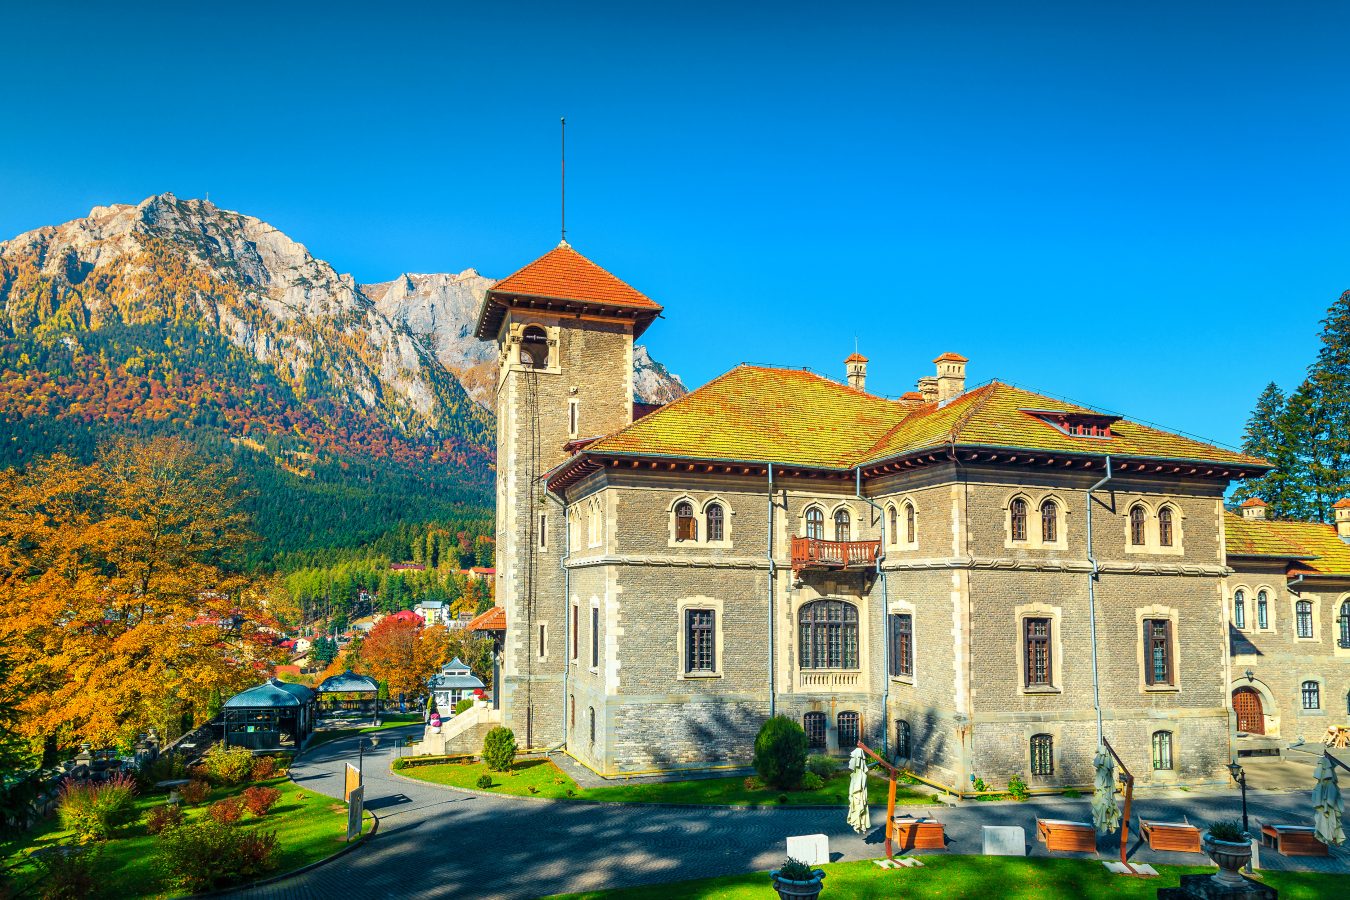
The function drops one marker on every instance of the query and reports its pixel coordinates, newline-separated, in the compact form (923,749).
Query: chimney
(928,388)
(1342,510)
(1254,510)
(856,366)
(951,376)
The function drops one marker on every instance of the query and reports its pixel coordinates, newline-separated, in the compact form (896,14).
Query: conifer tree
(1267,436)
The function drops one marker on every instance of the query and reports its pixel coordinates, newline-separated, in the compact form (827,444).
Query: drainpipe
(885,638)
(773,576)
(567,608)
(1092,604)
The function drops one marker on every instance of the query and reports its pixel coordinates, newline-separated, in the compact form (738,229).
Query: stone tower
(564,329)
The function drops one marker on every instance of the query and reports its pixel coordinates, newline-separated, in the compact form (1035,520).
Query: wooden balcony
(813,553)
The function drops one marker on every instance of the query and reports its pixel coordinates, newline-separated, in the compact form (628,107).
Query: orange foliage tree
(404,654)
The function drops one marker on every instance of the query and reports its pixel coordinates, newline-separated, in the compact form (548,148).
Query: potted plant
(795,880)
(1231,849)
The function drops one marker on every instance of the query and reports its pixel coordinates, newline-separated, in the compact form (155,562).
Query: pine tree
(1268,436)
(1328,390)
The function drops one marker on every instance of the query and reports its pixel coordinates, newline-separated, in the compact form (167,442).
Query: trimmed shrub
(260,800)
(812,782)
(265,768)
(824,766)
(464,704)
(228,766)
(484,781)
(67,873)
(194,792)
(170,815)
(205,855)
(94,811)
(499,749)
(780,752)
(227,811)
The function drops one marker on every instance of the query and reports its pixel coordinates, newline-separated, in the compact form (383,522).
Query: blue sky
(1137,206)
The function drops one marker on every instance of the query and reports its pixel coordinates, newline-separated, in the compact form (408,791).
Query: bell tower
(564,329)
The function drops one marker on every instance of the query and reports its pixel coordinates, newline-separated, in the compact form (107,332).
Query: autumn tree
(122,591)
(388,653)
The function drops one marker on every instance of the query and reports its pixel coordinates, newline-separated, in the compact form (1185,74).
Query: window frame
(1240,609)
(1049,521)
(1311,689)
(1161,745)
(813,523)
(904,738)
(686,524)
(1262,610)
(595,637)
(696,634)
(843,525)
(1046,642)
(576,631)
(1343,626)
(854,720)
(911,523)
(901,636)
(1041,748)
(1166,526)
(1152,641)
(808,719)
(714,528)
(1138,525)
(1017,520)
(1304,613)
(835,643)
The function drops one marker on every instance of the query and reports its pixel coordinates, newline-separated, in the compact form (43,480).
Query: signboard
(351,781)
(356,808)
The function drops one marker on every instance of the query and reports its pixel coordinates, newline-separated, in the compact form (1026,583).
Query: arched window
(1137,519)
(686,529)
(1017,511)
(911,529)
(815,524)
(1303,618)
(1049,521)
(534,348)
(841,525)
(1162,750)
(847,723)
(1312,695)
(714,515)
(1042,754)
(902,738)
(1240,609)
(891,521)
(829,635)
(1165,527)
(1343,623)
(813,723)
(1262,611)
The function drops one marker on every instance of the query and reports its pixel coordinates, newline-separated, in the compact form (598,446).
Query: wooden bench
(910,833)
(1061,834)
(1292,840)
(1180,837)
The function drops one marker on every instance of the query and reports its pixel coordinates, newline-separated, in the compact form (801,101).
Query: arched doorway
(1250,717)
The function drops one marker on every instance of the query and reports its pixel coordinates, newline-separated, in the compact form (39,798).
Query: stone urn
(1231,857)
(788,889)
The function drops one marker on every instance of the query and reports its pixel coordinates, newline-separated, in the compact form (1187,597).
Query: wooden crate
(1179,837)
(1292,840)
(918,834)
(1066,836)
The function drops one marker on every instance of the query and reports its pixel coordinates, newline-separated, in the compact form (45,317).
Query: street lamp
(1240,777)
(372,743)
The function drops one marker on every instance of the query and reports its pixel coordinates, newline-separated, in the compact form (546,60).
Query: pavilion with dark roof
(275,715)
(350,695)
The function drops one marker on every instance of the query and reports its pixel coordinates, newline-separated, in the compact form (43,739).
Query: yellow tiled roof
(1313,539)
(794,417)
(1245,537)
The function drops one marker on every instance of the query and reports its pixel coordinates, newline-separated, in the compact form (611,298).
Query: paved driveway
(437,842)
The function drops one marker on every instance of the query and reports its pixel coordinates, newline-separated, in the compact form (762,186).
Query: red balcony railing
(813,553)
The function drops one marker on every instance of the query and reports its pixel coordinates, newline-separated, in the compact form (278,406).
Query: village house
(453,683)
(930,574)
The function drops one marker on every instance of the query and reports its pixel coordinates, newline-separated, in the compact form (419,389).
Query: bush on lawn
(94,811)
(484,781)
(228,766)
(780,752)
(824,766)
(265,768)
(194,792)
(168,767)
(170,815)
(464,704)
(227,811)
(812,782)
(260,800)
(205,855)
(499,749)
(67,873)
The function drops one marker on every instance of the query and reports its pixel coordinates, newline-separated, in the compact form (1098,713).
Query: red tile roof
(1341,504)
(1254,501)
(951,357)
(856,357)
(493,619)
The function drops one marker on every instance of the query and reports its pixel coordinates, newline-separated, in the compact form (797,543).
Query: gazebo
(272,716)
(350,695)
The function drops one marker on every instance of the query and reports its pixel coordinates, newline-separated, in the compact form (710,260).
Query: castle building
(925,573)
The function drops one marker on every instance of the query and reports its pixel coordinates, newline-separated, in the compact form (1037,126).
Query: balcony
(829,681)
(814,553)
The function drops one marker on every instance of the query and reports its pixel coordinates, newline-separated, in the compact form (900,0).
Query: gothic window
(815,524)
(1303,618)
(714,516)
(1039,670)
(1262,611)
(814,725)
(1018,514)
(895,534)
(1165,527)
(841,525)
(534,348)
(1049,521)
(1137,519)
(572,713)
(595,637)
(699,640)
(1240,609)
(1042,754)
(1162,750)
(829,635)
(686,529)
(911,531)
(902,738)
(1312,695)
(1343,625)
(1158,669)
(902,645)
(592,712)
(847,722)
(576,614)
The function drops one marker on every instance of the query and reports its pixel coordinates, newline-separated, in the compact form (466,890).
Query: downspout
(1092,604)
(567,607)
(885,638)
(773,576)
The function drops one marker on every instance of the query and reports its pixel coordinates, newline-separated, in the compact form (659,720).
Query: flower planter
(797,890)
(1231,857)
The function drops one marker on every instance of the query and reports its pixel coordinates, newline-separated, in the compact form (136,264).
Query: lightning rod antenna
(562,159)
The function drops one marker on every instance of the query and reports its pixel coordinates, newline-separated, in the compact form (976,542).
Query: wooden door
(1247,705)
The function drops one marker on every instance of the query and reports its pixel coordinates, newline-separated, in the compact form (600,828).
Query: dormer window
(1076,424)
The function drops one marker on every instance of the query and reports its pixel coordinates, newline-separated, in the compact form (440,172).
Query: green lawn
(972,876)
(550,781)
(309,827)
